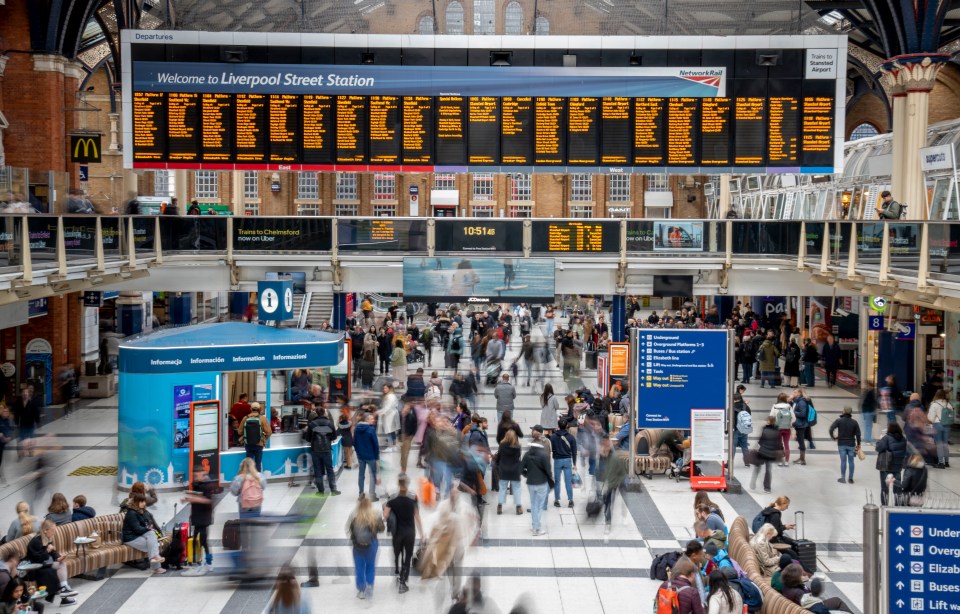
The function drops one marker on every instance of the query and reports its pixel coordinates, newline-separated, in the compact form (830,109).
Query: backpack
(752,597)
(251,493)
(320,438)
(811,414)
(252,431)
(667,600)
(362,536)
(793,354)
(893,211)
(662,562)
(948,415)
(433,392)
(758,521)
(784,417)
(744,422)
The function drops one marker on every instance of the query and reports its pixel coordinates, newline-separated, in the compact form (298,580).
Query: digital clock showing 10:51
(476,236)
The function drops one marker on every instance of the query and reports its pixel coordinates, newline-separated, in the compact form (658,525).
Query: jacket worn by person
(82,513)
(508,462)
(321,434)
(365,442)
(60,518)
(831,355)
(687,595)
(37,551)
(718,537)
(914,480)
(810,354)
(549,412)
(768,355)
(770,445)
(265,430)
(801,409)
(503,427)
(416,387)
(564,445)
(477,437)
(897,445)
(534,465)
(847,431)
(772,516)
(135,524)
(505,393)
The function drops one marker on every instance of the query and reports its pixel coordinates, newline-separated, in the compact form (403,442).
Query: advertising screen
(478,280)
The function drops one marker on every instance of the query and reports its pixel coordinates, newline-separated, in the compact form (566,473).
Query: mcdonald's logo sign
(85,148)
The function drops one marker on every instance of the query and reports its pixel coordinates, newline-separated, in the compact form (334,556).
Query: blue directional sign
(875,323)
(908,332)
(923,561)
(275,300)
(680,370)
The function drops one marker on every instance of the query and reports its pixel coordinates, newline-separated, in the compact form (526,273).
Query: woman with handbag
(891,452)
(362,528)
(770,449)
(402,514)
(846,432)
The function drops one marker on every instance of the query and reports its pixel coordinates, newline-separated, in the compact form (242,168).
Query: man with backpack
(678,594)
(321,433)
(889,209)
(256,431)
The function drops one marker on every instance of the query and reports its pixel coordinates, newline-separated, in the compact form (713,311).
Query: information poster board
(706,434)
(603,373)
(679,370)
(619,359)
(182,398)
(205,437)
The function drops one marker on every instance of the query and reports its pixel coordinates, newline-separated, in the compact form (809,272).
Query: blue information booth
(162,374)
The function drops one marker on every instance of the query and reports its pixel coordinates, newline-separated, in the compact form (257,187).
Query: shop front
(167,376)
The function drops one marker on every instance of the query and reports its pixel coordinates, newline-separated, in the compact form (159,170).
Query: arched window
(864,131)
(513,19)
(425,25)
(542,26)
(484,17)
(455,18)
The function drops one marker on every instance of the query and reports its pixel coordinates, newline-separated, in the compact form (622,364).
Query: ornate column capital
(914,72)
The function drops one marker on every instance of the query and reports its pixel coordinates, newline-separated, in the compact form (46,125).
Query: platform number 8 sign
(875,322)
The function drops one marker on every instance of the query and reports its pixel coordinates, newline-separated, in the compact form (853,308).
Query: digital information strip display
(382,235)
(478,235)
(588,237)
(479,280)
(371,117)
(283,130)
(680,370)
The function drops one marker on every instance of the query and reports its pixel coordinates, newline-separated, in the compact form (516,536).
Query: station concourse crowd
(555,527)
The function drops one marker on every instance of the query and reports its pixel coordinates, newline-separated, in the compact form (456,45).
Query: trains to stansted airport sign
(325,116)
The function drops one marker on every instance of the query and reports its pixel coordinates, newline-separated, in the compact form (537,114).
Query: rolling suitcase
(806,549)
(231,535)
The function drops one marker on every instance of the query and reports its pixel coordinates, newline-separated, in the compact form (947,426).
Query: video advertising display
(479,280)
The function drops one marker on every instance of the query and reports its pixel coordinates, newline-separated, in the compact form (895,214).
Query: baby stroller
(493,372)
(416,355)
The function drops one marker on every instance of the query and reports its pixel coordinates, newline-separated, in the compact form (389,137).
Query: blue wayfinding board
(923,561)
(680,370)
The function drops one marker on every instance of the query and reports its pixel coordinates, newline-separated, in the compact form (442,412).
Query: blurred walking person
(363,527)
(405,525)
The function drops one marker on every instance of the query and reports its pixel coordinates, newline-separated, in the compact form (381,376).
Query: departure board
(351,121)
(583,131)
(749,131)
(516,130)
(451,144)
(615,133)
(318,134)
(382,235)
(250,138)
(817,130)
(549,143)
(149,127)
(782,140)
(183,135)
(456,131)
(483,130)
(417,129)
(682,132)
(649,144)
(217,118)
(385,130)
(575,236)
(715,131)
(284,128)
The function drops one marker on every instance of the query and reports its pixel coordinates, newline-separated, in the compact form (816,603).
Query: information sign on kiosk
(619,354)
(275,299)
(205,437)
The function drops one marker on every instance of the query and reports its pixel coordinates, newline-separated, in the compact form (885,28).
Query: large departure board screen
(382,235)
(570,236)
(208,114)
(478,235)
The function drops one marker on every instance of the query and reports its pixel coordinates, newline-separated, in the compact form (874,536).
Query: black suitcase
(231,535)
(591,359)
(806,549)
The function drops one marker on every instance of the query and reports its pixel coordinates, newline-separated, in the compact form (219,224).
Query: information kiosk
(165,375)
